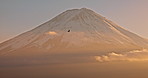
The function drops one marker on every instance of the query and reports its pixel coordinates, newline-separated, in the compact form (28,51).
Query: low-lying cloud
(135,55)
(51,33)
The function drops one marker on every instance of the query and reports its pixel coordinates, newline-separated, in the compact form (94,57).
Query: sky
(18,16)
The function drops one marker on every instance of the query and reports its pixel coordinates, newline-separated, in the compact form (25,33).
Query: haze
(78,43)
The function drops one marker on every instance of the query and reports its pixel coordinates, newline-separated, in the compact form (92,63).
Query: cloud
(135,55)
(51,33)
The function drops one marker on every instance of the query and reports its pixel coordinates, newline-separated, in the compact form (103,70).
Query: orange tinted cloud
(135,55)
(51,33)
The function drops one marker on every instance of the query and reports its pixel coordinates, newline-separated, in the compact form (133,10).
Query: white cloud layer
(135,55)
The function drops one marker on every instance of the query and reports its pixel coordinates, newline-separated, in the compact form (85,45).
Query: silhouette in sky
(68,30)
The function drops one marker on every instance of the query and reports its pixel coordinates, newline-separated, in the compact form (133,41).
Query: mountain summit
(73,31)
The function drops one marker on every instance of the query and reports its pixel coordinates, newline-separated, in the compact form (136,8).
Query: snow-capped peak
(79,29)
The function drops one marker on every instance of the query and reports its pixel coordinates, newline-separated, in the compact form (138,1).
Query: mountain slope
(76,30)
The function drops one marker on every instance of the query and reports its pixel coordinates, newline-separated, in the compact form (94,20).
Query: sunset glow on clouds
(135,55)
(51,33)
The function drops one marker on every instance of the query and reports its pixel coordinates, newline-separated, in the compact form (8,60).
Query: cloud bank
(135,55)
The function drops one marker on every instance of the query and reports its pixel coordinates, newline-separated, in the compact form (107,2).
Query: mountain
(73,31)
